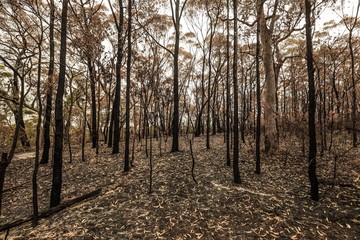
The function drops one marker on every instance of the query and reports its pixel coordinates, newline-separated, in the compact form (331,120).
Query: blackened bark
(116,105)
(175,121)
(94,134)
(128,72)
(258,102)
(59,121)
(37,144)
(150,160)
(228,160)
(48,108)
(3,165)
(22,134)
(236,102)
(312,107)
(209,80)
(353,81)
(84,123)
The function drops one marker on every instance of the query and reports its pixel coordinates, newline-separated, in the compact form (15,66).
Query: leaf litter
(272,205)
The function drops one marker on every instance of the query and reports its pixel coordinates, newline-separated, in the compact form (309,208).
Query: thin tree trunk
(140,118)
(353,81)
(94,135)
(108,114)
(111,127)
(98,117)
(258,102)
(116,105)
(58,143)
(128,77)
(228,161)
(151,163)
(324,105)
(312,107)
(68,122)
(84,123)
(3,165)
(243,91)
(209,86)
(321,127)
(175,121)
(49,91)
(37,146)
(132,163)
(236,102)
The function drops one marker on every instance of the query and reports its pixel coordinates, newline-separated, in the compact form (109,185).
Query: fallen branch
(51,211)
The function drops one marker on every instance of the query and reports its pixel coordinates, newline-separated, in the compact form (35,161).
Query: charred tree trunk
(58,143)
(312,107)
(116,105)
(49,91)
(258,102)
(209,84)
(128,72)
(98,117)
(84,123)
(175,122)
(236,102)
(111,128)
(94,135)
(3,166)
(68,121)
(228,158)
(37,143)
(353,81)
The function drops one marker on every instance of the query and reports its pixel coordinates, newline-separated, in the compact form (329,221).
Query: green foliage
(4,73)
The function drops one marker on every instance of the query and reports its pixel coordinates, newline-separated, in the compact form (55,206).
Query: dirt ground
(272,205)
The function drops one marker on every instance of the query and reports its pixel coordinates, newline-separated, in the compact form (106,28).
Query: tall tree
(258,100)
(177,12)
(312,105)
(49,89)
(38,39)
(128,76)
(55,197)
(213,20)
(350,26)
(236,100)
(115,131)
(266,34)
(228,158)
(37,144)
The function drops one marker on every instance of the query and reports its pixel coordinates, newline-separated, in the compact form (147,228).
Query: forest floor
(272,205)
